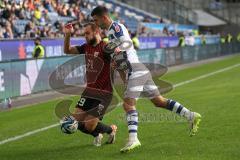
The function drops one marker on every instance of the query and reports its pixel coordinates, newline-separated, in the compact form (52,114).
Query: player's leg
(80,116)
(135,85)
(174,106)
(132,117)
(95,104)
(97,128)
(81,112)
(90,123)
(132,120)
(133,91)
(171,105)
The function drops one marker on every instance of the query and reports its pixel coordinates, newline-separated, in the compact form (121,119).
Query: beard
(92,41)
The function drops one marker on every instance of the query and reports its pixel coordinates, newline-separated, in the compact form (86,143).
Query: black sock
(101,128)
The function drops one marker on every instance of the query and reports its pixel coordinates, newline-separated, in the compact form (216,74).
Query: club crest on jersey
(117,28)
(96,54)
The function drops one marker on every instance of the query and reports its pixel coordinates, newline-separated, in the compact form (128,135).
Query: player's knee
(128,107)
(90,126)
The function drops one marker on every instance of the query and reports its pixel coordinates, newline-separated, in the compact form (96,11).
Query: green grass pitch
(162,134)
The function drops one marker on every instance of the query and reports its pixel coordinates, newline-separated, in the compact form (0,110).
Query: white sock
(179,109)
(132,119)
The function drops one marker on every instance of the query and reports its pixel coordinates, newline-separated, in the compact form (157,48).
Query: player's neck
(98,40)
(109,24)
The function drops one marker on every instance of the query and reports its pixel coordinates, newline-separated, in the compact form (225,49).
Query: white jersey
(139,77)
(118,33)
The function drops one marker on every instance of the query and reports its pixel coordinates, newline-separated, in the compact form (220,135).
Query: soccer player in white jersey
(138,74)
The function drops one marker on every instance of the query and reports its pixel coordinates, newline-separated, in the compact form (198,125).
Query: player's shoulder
(117,27)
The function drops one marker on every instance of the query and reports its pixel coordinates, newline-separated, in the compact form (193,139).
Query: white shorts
(140,83)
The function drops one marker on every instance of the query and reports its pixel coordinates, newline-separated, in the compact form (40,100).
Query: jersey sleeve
(81,49)
(118,31)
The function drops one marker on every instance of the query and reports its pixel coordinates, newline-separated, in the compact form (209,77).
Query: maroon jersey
(97,66)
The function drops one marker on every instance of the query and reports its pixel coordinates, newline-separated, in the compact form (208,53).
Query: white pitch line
(176,85)
(206,75)
(27,134)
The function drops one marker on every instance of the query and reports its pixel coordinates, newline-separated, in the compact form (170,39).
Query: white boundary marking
(176,85)
(206,75)
(27,134)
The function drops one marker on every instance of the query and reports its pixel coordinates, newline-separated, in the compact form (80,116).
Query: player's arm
(122,37)
(122,73)
(121,42)
(123,76)
(68,49)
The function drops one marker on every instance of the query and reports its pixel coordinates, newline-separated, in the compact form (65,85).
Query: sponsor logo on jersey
(96,54)
(117,28)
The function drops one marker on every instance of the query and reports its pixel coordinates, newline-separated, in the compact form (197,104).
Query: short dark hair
(99,11)
(92,25)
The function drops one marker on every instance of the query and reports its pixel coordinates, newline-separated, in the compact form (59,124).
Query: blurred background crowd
(46,19)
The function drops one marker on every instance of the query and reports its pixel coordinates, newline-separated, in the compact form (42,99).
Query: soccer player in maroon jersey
(98,94)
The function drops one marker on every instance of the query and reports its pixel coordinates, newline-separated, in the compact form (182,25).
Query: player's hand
(117,51)
(68,28)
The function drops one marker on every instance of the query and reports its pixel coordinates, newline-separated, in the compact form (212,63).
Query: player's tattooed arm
(68,49)
(122,73)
